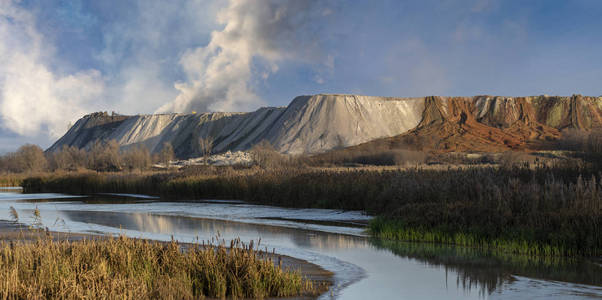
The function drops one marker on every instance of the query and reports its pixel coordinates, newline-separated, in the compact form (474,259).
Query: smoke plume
(255,33)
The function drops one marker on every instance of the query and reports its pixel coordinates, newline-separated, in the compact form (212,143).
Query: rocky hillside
(313,124)
(495,124)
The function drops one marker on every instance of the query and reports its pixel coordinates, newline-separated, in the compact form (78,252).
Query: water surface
(364,268)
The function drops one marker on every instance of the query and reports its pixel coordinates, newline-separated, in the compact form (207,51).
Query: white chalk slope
(310,124)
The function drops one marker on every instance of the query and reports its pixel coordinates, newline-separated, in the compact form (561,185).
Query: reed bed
(11,180)
(508,241)
(126,268)
(551,211)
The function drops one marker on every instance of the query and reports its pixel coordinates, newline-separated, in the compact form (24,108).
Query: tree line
(101,156)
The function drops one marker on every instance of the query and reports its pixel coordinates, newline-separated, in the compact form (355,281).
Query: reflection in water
(10,189)
(489,270)
(322,240)
(207,228)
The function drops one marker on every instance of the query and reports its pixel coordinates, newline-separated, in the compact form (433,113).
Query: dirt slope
(494,124)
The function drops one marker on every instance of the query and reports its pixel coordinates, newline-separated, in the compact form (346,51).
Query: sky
(60,60)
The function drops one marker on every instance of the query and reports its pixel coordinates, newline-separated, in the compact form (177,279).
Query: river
(364,268)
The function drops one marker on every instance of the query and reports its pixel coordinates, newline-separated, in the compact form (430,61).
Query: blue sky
(62,59)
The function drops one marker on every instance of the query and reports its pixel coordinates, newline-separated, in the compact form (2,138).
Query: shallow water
(364,268)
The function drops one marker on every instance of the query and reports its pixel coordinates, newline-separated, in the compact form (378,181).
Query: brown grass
(137,269)
(558,207)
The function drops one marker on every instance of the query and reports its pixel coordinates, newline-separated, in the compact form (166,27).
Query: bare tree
(136,158)
(205,147)
(30,158)
(59,160)
(104,156)
(594,141)
(67,158)
(582,141)
(265,155)
(7,163)
(166,155)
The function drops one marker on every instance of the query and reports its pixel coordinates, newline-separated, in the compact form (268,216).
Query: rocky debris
(227,158)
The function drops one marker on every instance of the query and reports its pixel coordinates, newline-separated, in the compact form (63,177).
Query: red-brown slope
(451,125)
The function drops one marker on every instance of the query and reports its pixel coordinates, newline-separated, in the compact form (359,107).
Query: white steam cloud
(268,31)
(33,99)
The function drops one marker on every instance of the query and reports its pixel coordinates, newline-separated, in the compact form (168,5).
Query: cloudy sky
(62,59)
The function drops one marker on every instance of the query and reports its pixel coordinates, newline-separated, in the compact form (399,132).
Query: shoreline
(512,207)
(321,278)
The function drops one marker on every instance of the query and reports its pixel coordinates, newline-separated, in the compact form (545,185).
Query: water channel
(364,268)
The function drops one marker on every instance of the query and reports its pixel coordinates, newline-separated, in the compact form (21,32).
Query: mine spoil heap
(318,123)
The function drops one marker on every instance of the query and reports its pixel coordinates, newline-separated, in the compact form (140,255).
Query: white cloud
(218,75)
(33,99)
(36,100)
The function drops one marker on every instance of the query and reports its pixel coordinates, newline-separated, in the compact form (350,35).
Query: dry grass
(554,210)
(129,268)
